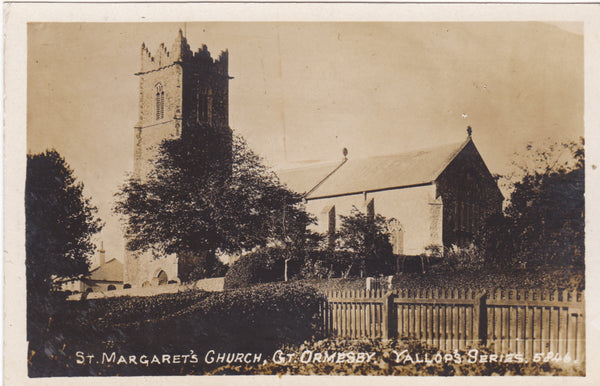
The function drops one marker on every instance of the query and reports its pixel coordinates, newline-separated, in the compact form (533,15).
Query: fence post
(325,316)
(480,319)
(388,315)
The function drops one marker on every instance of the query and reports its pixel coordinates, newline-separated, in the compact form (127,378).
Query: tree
(367,239)
(543,222)
(194,204)
(60,223)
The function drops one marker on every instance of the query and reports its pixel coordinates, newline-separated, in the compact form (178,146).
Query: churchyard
(417,263)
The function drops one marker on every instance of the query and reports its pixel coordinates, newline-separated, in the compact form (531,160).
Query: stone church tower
(182,94)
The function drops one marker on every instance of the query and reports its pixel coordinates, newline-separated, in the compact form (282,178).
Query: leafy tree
(543,223)
(367,239)
(60,223)
(194,204)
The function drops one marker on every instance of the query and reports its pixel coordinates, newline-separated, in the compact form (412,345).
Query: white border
(16,17)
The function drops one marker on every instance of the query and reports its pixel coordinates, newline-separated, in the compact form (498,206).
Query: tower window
(204,105)
(160,102)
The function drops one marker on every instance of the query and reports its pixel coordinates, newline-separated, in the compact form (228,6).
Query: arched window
(397,237)
(371,209)
(329,217)
(331,227)
(204,105)
(160,102)
(111,287)
(127,286)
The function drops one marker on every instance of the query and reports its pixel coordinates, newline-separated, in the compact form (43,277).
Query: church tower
(182,94)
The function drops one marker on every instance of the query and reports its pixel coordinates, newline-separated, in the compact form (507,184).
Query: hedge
(257,319)
(262,266)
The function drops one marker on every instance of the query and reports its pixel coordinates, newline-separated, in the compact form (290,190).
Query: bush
(61,327)
(460,259)
(262,266)
(322,264)
(257,320)
(193,267)
(126,309)
(367,239)
(543,223)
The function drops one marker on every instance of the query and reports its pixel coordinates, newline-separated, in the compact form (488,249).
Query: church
(435,196)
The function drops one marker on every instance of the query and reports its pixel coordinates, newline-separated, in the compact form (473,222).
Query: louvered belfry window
(204,105)
(160,102)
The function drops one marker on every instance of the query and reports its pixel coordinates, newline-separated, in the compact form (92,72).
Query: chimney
(102,254)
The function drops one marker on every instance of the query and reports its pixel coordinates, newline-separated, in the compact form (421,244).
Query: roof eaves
(424,183)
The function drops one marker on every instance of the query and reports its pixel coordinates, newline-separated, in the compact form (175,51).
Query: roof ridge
(423,149)
(437,157)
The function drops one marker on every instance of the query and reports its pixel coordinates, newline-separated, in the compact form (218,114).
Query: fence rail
(525,321)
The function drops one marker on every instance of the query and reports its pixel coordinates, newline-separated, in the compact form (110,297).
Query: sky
(303,91)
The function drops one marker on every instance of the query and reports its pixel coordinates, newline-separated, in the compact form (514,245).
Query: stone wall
(150,131)
(142,269)
(213,284)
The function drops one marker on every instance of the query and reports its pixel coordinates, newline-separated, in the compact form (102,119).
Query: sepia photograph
(381,198)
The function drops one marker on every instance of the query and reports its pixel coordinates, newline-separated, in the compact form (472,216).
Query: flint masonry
(181,94)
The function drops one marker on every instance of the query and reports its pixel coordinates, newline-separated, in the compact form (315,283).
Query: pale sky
(375,88)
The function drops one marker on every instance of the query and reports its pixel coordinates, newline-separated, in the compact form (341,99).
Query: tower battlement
(181,53)
(182,95)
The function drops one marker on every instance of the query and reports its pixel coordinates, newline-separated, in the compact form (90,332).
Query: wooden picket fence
(527,322)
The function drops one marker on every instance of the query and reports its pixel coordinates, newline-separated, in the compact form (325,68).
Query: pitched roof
(112,270)
(304,179)
(373,173)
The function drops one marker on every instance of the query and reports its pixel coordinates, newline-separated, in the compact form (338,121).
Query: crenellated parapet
(181,53)
(162,58)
